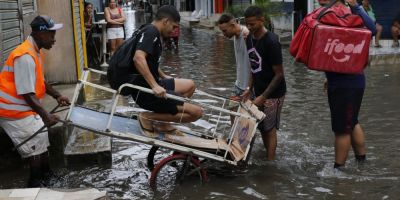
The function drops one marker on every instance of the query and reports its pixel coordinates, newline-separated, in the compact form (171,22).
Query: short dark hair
(169,12)
(225,18)
(253,11)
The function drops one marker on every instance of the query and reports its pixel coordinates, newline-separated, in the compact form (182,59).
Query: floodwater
(304,165)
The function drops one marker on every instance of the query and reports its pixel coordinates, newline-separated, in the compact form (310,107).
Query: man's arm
(139,59)
(34,103)
(246,93)
(62,100)
(25,80)
(358,10)
(278,70)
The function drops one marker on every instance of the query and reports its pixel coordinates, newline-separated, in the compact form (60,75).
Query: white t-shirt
(242,60)
(24,73)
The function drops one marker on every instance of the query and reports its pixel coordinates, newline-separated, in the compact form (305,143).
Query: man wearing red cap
(22,89)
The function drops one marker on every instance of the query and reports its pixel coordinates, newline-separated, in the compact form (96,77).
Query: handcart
(221,140)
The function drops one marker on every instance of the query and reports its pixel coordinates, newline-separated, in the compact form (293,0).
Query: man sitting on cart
(146,61)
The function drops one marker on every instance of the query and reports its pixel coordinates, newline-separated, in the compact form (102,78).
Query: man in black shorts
(267,80)
(146,60)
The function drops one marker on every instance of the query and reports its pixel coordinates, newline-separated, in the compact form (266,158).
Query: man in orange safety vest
(22,89)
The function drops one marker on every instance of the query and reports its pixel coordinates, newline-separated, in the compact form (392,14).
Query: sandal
(157,124)
(378,46)
(142,127)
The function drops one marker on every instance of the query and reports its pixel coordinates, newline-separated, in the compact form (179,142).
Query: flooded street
(305,153)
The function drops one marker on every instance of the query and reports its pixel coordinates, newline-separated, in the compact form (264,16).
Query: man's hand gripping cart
(220,142)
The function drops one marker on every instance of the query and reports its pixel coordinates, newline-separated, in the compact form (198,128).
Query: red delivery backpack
(332,39)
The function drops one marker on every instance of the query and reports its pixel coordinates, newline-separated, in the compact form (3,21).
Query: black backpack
(121,68)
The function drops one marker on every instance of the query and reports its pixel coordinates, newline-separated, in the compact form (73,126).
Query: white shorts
(19,130)
(115,33)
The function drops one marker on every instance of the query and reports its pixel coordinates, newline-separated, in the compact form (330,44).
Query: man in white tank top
(231,29)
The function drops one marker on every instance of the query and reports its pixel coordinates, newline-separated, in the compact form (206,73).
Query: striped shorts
(272,109)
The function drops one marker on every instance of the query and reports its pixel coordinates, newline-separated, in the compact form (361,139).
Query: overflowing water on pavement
(303,168)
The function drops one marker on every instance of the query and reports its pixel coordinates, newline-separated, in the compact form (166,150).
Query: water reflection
(303,169)
(305,152)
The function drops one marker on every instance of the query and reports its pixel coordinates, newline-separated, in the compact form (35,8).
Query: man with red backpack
(345,93)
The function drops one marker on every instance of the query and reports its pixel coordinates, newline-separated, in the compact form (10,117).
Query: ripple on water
(305,152)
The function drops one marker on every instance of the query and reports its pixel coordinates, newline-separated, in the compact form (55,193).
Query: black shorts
(344,104)
(158,105)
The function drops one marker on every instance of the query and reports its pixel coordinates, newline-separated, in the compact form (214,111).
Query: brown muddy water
(303,169)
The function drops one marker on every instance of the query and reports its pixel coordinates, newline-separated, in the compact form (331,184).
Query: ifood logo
(338,47)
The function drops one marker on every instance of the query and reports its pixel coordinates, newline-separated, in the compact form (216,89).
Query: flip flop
(159,123)
(164,131)
(170,132)
(141,125)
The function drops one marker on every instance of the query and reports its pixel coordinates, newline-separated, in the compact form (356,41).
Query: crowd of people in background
(394,29)
(115,18)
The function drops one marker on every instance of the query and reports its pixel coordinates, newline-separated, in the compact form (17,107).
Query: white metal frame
(153,141)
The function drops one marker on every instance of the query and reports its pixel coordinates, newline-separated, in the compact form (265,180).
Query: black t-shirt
(149,41)
(263,54)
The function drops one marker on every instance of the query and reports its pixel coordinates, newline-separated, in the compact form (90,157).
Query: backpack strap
(323,11)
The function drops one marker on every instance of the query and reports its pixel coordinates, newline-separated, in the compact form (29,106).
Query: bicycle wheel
(156,154)
(173,169)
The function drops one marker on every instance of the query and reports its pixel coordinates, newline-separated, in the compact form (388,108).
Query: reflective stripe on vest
(15,107)
(12,99)
(7,69)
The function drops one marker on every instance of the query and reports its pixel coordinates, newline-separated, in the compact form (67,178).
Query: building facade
(68,55)
(15,16)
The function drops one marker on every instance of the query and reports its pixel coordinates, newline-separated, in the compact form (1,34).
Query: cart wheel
(150,157)
(173,169)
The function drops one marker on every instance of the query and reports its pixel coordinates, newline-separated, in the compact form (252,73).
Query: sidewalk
(53,194)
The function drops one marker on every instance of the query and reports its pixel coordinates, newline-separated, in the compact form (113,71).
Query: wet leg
(342,147)
(112,46)
(36,173)
(119,42)
(358,142)
(186,113)
(184,87)
(270,142)
(395,34)
(378,34)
